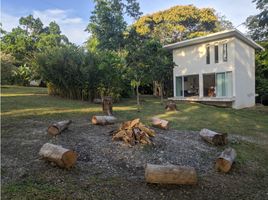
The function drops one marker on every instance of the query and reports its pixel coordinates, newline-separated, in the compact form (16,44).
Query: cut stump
(64,158)
(171,106)
(107,106)
(103,120)
(58,127)
(170,174)
(225,160)
(213,137)
(160,123)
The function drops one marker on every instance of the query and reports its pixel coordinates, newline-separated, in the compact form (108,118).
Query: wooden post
(64,158)
(213,137)
(58,127)
(107,105)
(170,174)
(225,160)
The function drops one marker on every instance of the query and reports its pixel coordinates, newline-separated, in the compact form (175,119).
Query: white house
(217,68)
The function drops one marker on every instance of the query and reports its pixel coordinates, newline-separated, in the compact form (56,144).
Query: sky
(73,15)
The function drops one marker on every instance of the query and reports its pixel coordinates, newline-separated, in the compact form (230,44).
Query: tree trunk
(103,120)
(171,106)
(225,160)
(64,158)
(213,137)
(58,127)
(161,86)
(170,174)
(107,106)
(160,123)
(138,96)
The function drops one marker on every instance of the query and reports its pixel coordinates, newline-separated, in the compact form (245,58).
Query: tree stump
(103,120)
(213,137)
(107,105)
(170,174)
(58,127)
(160,123)
(225,160)
(64,158)
(171,106)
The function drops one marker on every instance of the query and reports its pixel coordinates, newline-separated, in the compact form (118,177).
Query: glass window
(224,52)
(178,86)
(207,55)
(216,51)
(224,84)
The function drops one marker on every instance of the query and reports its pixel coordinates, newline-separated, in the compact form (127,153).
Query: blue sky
(73,15)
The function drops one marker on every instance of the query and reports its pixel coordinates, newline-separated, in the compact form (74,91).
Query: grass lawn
(251,125)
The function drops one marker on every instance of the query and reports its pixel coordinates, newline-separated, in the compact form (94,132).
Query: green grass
(25,102)
(22,103)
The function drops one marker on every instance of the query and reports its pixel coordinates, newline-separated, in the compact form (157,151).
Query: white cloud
(71,26)
(9,21)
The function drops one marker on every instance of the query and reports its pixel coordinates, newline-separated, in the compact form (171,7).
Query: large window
(218,84)
(216,51)
(224,52)
(207,55)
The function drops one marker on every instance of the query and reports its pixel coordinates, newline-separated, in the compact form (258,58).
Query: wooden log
(171,106)
(170,174)
(103,120)
(213,137)
(58,127)
(160,123)
(64,158)
(225,160)
(107,106)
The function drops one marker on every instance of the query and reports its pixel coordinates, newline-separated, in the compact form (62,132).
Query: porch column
(201,89)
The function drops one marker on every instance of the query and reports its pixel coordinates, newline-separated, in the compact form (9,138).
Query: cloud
(71,26)
(9,21)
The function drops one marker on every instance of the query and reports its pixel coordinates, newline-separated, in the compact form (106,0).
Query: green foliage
(22,75)
(258,24)
(107,22)
(7,66)
(262,70)
(178,23)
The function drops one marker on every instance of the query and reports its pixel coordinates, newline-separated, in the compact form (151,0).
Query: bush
(7,67)
(22,75)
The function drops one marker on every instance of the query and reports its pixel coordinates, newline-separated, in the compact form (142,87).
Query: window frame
(216,53)
(225,52)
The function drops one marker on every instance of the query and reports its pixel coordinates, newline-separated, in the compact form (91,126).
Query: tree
(107,22)
(7,68)
(178,23)
(161,64)
(258,24)
(137,63)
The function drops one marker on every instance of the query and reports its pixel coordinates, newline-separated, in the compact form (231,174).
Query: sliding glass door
(178,86)
(224,84)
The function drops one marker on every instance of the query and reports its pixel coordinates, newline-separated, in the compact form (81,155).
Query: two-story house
(217,68)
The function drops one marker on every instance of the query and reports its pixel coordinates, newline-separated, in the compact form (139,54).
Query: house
(218,68)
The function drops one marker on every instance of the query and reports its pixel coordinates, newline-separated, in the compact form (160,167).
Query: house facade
(217,68)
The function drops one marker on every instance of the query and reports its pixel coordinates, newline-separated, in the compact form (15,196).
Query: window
(224,84)
(216,51)
(224,52)
(207,55)
(218,84)
(178,86)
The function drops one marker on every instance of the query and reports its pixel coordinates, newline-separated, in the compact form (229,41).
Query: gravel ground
(112,170)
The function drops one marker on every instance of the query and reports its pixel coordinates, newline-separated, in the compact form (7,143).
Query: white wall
(245,75)
(192,60)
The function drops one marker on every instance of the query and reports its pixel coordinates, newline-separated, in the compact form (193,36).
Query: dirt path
(112,170)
